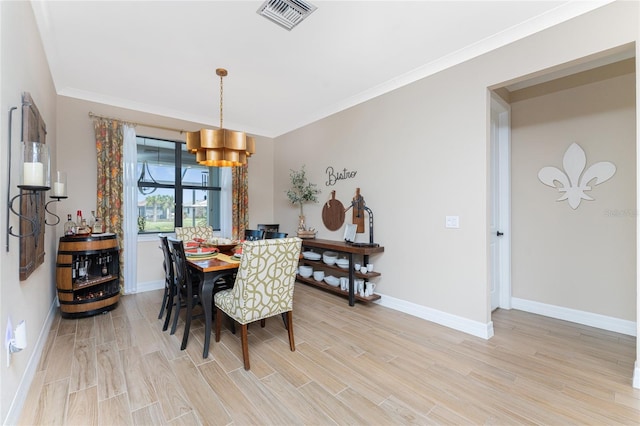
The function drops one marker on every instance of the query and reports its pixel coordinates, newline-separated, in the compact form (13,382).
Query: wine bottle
(69,226)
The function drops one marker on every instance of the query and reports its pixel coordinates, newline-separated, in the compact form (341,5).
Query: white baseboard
(20,397)
(465,325)
(580,317)
(149,286)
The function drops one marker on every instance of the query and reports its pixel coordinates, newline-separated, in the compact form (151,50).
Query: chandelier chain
(221,101)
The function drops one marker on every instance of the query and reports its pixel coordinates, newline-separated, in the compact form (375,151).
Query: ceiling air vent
(286,13)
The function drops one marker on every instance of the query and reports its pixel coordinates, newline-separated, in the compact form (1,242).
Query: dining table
(210,270)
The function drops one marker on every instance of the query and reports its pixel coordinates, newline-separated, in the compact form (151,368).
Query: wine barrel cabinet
(87,274)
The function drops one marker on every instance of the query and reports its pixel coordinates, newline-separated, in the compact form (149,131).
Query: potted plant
(301,192)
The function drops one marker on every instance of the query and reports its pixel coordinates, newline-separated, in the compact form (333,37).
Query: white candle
(58,189)
(33,174)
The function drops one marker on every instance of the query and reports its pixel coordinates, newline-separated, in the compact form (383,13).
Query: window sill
(145,238)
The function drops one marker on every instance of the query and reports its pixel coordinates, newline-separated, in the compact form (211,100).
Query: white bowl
(329,257)
(332,281)
(343,263)
(318,275)
(305,271)
(311,255)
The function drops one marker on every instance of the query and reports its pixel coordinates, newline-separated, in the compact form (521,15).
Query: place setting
(201,253)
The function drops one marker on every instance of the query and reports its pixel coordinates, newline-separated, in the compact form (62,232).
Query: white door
(499,237)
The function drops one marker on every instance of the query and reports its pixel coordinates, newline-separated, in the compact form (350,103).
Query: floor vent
(286,13)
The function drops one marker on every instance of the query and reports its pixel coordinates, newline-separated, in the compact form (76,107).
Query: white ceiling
(160,56)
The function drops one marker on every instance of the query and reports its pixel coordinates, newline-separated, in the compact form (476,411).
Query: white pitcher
(344,283)
(369,288)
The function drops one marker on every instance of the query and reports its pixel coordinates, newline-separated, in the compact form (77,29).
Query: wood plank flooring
(352,365)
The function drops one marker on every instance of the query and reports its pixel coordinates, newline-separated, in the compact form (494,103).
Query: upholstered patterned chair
(263,287)
(191,232)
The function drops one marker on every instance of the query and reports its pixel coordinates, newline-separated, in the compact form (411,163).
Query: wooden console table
(347,250)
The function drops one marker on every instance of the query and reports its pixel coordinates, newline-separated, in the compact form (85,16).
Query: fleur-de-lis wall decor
(573,181)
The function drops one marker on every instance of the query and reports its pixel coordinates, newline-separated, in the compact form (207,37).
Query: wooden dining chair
(168,298)
(273,227)
(253,234)
(187,286)
(268,235)
(263,287)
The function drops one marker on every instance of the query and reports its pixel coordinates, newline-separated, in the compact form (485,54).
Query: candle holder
(58,192)
(35,167)
(34,179)
(59,185)
(55,199)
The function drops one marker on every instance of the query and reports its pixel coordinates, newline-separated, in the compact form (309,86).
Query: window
(169,181)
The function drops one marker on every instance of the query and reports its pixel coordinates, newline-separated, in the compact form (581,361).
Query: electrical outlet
(452,222)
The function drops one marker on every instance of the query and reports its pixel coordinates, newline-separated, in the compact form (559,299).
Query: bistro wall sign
(334,176)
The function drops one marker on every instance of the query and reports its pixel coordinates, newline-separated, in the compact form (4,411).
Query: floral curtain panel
(109,143)
(240,201)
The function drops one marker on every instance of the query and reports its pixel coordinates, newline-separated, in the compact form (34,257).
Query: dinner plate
(201,252)
(310,255)
(202,257)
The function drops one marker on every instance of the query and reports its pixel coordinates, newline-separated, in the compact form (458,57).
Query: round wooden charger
(333,213)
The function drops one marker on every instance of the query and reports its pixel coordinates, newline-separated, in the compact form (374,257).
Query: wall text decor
(333,176)
(574,182)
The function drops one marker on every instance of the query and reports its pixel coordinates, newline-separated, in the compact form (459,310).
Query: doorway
(500,215)
(540,116)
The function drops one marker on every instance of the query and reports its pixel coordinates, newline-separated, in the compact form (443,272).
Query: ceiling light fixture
(220,147)
(286,13)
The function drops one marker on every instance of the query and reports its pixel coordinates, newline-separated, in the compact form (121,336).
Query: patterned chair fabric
(263,287)
(192,232)
(264,282)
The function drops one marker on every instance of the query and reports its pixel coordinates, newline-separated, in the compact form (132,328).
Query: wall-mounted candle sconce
(59,192)
(33,179)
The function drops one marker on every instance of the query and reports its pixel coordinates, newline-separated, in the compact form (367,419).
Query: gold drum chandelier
(220,147)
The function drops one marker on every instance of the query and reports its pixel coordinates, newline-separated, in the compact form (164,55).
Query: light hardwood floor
(352,365)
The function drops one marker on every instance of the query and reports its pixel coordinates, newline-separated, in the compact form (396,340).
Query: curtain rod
(172,129)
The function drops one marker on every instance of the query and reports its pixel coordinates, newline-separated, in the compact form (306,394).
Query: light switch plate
(452,222)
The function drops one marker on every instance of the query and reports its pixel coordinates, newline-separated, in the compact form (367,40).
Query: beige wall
(421,153)
(581,259)
(75,131)
(23,69)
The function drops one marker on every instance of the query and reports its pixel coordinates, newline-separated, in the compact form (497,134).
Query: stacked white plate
(311,255)
(343,263)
